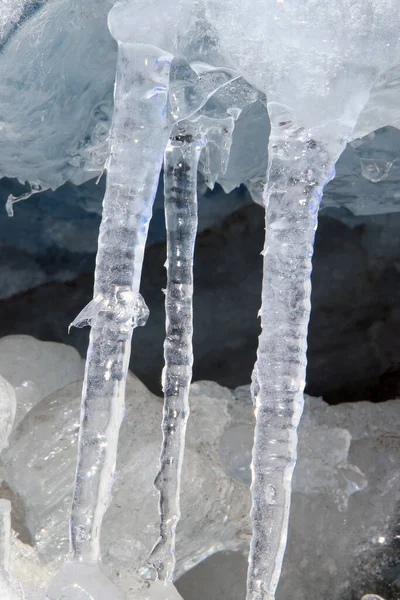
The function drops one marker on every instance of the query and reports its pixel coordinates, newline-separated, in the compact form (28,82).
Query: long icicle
(180,193)
(138,138)
(299,168)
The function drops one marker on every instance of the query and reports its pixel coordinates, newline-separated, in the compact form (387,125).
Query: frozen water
(117,307)
(375,169)
(35,369)
(82,581)
(9,589)
(86,56)
(47,63)
(344,508)
(345,488)
(180,189)
(317,70)
(5,535)
(323,465)
(47,438)
(8,405)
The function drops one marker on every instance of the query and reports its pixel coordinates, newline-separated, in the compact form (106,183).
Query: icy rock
(80,581)
(35,369)
(160,590)
(8,405)
(41,467)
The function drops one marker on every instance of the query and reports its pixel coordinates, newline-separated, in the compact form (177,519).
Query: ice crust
(344,501)
(79,130)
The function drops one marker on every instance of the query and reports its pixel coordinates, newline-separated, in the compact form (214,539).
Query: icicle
(139,135)
(299,167)
(180,192)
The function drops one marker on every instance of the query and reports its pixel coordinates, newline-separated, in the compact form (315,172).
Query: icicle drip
(139,135)
(299,167)
(5,535)
(180,191)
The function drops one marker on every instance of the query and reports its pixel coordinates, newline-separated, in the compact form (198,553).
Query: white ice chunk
(35,369)
(8,404)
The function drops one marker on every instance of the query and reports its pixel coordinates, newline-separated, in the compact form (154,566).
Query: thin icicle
(137,146)
(138,138)
(180,192)
(299,167)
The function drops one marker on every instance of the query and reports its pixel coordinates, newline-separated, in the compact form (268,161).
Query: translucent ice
(86,56)
(375,170)
(318,65)
(180,190)
(337,520)
(35,369)
(136,149)
(8,404)
(82,581)
(344,507)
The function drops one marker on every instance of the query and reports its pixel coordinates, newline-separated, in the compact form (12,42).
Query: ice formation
(181,83)
(180,168)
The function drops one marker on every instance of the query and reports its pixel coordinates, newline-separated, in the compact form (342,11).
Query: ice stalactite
(180,197)
(138,138)
(299,167)
(181,161)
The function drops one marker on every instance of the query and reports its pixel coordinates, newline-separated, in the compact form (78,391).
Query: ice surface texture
(58,130)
